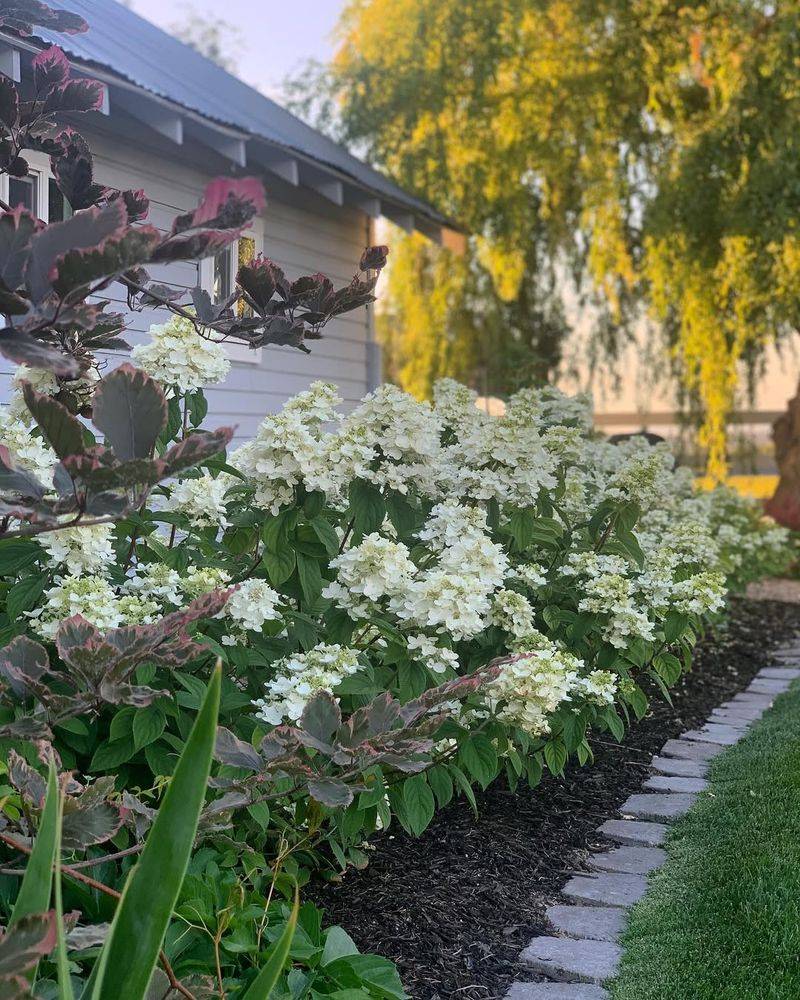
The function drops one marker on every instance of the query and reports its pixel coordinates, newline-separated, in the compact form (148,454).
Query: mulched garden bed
(455,907)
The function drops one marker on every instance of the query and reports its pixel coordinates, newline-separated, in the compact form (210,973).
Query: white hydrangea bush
(396,548)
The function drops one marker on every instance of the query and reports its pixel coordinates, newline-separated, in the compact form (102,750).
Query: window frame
(38,164)
(236,352)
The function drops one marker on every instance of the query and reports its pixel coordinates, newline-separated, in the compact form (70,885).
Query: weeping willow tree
(651,145)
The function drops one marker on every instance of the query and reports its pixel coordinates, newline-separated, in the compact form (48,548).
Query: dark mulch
(454,908)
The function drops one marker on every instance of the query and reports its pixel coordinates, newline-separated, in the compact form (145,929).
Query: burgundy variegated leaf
(194,245)
(225,803)
(357,293)
(17,229)
(380,716)
(319,722)
(23,664)
(260,279)
(23,15)
(50,69)
(331,793)
(26,728)
(196,448)
(23,349)
(227,204)
(81,268)
(86,230)
(373,258)
(24,943)
(137,204)
(76,97)
(89,821)
(9,102)
(233,752)
(130,408)
(122,693)
(280,743)
(62,431)
(453,690)
(18,481)
(31,785)
(73,170)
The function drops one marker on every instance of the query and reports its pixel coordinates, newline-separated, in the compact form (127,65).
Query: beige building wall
(637,393)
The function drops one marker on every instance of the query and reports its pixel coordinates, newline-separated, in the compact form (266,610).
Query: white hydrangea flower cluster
(48,384)
(532,685)
(513,612)
(302,675)
(177,355)
(87,595)
(27,449)
(202,500)
(437,658)
(80,549)
(251,605)
(451,595)
(609,589)
(291,448)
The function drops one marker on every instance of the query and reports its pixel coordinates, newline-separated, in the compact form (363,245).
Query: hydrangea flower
(80,549)
(177,355)
(202,500)
(300,676)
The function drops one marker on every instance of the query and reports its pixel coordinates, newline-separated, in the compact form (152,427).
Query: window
(37,192)
(218,277)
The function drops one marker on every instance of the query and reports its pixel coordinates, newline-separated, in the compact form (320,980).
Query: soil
(455,907)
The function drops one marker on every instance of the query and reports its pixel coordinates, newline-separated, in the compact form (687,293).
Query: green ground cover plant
(721,920)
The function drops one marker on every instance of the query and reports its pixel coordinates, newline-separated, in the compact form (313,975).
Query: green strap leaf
(37,882)
(148,899)
(62,962)
(264,983)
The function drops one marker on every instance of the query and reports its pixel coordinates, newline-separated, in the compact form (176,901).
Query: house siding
(301,231)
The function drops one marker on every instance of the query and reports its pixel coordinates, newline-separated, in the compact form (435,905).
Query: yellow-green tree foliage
(653,143)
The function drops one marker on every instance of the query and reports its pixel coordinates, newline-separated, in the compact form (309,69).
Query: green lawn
(722,918)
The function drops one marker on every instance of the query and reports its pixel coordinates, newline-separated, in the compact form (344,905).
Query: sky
(278,36)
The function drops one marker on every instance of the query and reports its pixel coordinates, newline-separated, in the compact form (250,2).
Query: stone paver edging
(583,953)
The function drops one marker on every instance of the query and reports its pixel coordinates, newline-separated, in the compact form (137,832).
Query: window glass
(222,275)
(24,191)
(58,208)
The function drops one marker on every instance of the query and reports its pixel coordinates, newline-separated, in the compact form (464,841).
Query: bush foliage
(407,602)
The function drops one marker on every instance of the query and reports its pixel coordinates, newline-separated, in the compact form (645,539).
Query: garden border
(583,951)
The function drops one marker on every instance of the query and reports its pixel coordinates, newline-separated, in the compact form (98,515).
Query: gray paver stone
(573,960)
(675,783)
(691,751)
(753,698)
(556,991)
(738,715)
(630,860)
(743,708)
(612,889)
(668,806)
(725,736)
(768,687)
(779,673)
(718,718)
(680,768)
(631,831)
(601,923)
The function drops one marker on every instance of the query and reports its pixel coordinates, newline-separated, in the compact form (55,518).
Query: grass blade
(37,882)
(148,899)
(264,983)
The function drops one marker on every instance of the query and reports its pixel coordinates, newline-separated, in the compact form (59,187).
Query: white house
(173,120)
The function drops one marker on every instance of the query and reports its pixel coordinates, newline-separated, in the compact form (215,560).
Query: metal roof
(130,48)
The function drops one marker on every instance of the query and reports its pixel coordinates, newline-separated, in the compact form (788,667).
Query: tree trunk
(784,506)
